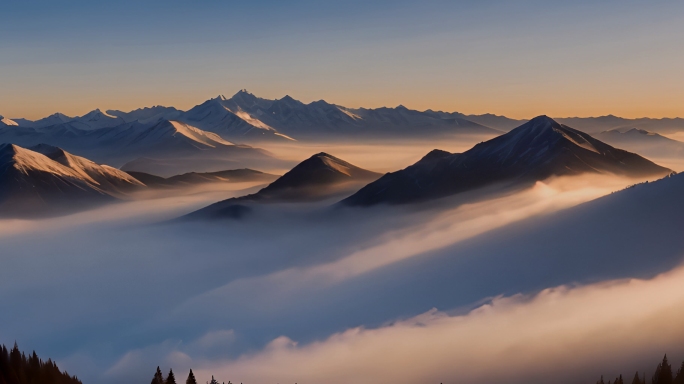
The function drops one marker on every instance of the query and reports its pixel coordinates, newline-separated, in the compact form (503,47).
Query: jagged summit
(536,150)
(95,112)
(97,119)
(147,115)
(245,96)
(61,116)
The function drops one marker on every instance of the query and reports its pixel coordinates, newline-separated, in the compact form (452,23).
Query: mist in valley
(126,289)
(379,155)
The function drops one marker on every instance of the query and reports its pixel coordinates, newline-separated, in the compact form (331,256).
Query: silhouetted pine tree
(679,378)
(171,379)
(16,368)
(158,377)
(637,379)
(213,381)
(663,374)
(191,378)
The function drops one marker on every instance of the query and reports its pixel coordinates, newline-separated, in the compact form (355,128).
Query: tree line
(17,368)
(171,378)
(663,374)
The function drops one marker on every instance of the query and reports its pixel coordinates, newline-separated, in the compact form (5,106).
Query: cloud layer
(570,334)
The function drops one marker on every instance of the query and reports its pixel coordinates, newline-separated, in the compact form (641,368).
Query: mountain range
(44,180)
(164,147)
(245,118)
(536,150)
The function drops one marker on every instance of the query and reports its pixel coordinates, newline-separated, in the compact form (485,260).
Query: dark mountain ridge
(536,150)
(319,177)
(197,178)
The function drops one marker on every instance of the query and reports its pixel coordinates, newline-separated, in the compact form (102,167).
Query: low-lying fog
(112,293)
(377,155)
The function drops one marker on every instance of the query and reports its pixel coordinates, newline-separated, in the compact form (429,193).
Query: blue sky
(505,57)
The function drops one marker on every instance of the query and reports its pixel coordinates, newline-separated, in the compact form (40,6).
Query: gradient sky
(518,58)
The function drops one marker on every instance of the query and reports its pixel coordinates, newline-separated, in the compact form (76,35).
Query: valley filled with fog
(359,251)
(119,289)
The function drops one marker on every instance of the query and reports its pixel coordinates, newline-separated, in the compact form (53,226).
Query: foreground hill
(319,177)
(536,150)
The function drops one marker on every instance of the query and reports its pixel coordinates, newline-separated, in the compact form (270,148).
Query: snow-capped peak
(25,160)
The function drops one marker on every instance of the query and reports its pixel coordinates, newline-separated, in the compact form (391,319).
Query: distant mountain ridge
(645,142)
(245,117)
(174,147)
(536,150)
(610,122)
(197,178)
(47,180)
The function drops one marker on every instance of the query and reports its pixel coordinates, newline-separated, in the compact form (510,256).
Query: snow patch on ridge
(7,121)
(207,138)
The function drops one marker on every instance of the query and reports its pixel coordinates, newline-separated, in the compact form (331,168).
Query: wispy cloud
(569,333)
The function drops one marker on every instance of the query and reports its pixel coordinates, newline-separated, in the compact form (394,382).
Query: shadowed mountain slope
(536,150)
(319,177)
